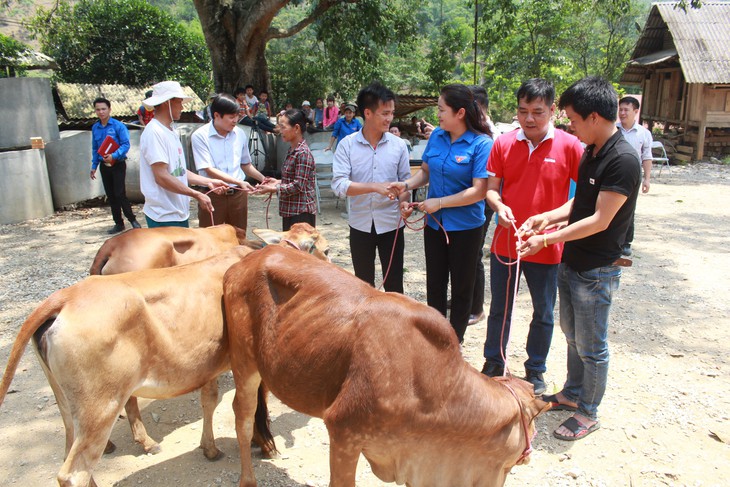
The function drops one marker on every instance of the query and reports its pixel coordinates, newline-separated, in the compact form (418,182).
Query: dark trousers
(477,302)
(229,208)
(288,221)
(455,261)
(542,282)
(630,231)
(113,180)
(362,249)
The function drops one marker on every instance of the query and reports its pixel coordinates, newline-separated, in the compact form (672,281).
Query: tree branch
(320,9)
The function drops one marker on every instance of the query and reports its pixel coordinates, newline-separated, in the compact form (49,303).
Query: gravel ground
(664,417)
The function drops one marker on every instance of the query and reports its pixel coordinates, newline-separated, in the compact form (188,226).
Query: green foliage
(122,41)
(349,46)
(10,49)
(446,51)
(560,40)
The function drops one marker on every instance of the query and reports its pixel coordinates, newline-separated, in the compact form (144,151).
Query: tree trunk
(236,32)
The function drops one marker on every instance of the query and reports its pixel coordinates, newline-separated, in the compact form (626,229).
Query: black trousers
(116,192)
(362,249)
(477,302)
(630,231)
(457,262)
(288,221)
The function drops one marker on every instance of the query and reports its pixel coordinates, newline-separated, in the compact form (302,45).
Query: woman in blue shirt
(455,169)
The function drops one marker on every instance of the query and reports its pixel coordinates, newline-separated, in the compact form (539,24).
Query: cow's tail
(47,311)
(101,258)
(262,425)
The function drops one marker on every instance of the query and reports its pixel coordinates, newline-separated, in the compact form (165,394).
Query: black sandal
(556,405)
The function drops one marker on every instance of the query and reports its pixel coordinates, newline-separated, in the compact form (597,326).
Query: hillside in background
(13,15)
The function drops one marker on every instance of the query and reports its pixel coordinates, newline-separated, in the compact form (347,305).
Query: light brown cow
(155,333)
(383,371)
(155,248)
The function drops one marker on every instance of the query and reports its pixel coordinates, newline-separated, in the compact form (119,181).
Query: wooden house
(682,63)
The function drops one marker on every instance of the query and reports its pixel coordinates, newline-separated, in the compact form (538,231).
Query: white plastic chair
(664,160)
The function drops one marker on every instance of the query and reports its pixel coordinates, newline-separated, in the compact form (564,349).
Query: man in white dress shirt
(220,150)
(365,163)
(640,139)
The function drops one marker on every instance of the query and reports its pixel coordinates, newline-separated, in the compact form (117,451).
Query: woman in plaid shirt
(296,189)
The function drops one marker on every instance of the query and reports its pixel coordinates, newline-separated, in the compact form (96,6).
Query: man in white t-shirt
(220,150)
(163,174)
(640,139)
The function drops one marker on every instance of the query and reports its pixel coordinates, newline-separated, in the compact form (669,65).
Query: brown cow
(154,333)
(155,248)
(383,371)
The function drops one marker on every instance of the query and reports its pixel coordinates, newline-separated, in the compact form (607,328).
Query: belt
(623,262)
(228,192)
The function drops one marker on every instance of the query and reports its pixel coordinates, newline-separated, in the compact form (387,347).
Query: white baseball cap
(166,90)
(305,103)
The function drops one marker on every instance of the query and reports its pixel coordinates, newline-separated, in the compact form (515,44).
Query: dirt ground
(665,416)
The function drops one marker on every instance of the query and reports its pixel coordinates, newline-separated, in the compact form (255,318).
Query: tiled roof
(700,36)
(75,100)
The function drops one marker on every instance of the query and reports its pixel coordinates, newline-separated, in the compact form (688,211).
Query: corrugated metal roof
(407,104)
(701,37)
(75,99)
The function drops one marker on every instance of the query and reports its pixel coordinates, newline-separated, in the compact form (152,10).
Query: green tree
(121,41)
(10,49)
(447,51)
(351,34)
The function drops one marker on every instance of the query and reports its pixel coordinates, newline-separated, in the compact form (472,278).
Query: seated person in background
(289,106)
(251,99)
(145,114)
(342,110)
(308,113)
(331,114)
(345,126)
(319,114)
(244,109)
(396,131)
(263,112)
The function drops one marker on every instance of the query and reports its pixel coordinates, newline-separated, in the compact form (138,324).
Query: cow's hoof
(154,449)
(213,454)
(270,454)
(110,447)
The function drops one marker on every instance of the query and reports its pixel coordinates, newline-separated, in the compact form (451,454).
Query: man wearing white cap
(163,174)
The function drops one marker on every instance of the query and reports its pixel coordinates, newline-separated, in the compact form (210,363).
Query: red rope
(409,224)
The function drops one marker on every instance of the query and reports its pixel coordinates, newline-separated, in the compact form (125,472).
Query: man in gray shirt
(640,139)
(365,163)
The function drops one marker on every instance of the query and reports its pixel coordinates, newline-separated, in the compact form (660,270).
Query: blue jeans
(585,301)
(542,281)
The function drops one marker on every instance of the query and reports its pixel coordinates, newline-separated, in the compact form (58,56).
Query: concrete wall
(24,190)
(26,111)
(69,162)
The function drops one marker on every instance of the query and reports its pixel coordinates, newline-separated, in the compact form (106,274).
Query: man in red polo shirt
(529,172)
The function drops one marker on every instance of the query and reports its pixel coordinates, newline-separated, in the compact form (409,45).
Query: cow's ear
(535,407)
(269,236)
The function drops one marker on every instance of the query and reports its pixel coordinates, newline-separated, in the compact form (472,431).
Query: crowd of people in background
(566,193)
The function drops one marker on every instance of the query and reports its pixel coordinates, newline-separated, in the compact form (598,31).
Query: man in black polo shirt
(597,218)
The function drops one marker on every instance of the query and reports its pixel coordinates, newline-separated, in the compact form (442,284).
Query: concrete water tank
(25,193)
(69,162)
(26,111)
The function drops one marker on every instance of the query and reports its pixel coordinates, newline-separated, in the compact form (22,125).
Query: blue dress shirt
(452,167)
